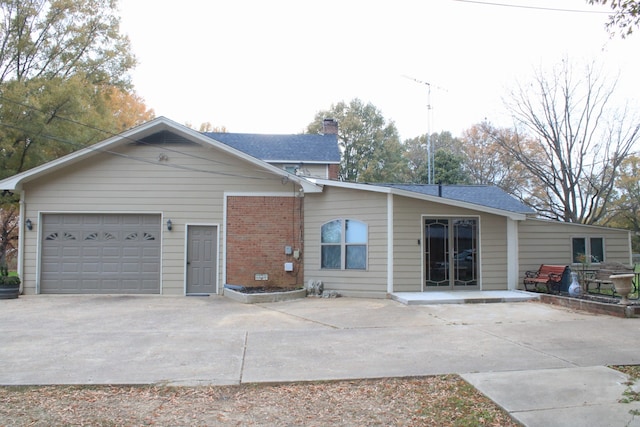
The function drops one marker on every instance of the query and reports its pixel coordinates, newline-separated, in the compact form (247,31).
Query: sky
(257,66)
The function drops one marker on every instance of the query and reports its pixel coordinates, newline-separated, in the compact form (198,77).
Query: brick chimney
(329,127)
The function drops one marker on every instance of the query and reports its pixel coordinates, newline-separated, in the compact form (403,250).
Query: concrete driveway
(213,340)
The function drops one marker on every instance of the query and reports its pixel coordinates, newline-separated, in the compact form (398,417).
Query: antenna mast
(430,151)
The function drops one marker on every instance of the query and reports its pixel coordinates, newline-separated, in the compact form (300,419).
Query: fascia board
(156,125)
(304,162)
(404,193)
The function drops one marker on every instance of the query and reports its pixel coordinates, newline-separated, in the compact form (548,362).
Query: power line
(518,6)
(134,158)
(109,133)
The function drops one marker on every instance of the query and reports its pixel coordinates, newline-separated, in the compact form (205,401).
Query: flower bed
(255,295)
(594,304)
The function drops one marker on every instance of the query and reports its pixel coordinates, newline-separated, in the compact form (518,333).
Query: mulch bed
(425,401)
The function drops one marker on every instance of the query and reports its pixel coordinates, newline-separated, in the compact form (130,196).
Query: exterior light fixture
(169,225)
(29,224)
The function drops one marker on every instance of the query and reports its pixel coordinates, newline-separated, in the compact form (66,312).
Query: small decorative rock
(331,294)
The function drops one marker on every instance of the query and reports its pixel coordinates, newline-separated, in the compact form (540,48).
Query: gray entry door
(202,259)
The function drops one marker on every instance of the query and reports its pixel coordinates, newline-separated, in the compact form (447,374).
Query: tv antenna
(429,143)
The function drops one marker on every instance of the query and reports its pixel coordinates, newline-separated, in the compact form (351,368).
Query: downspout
(513,256)
(389,243)
(21,219)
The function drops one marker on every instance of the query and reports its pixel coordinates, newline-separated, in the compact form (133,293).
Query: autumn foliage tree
(486,163)
(64,79)
(571,141)
(64,83)
(624,210)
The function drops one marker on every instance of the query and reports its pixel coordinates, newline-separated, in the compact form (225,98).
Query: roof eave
(156,125)
(516,216)
(305,162)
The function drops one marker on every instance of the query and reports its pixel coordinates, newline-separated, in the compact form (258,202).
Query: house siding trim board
(512,254)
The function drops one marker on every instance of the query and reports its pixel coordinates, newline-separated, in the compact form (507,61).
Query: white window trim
(343,245)
(587,246)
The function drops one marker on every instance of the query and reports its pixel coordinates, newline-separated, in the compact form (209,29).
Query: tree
(570,141)
(126,108)
(60,38)
(369,145)
(486,163)
(63,64)
(448,168)
(626,15)
(447,160)
(63,85)
(625,206)
(416,153)
(8,232)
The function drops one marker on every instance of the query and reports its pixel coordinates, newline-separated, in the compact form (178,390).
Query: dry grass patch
(440,400)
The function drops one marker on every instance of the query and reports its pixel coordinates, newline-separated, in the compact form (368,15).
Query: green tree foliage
(370,146)
(60,38)
(64,84)
(448,168)
(625,16)
(63,63)
(448,160)
(624,211)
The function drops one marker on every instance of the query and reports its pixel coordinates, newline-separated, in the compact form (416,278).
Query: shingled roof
(302,148)
(482,195)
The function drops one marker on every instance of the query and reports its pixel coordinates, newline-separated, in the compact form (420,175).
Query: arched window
(344,245)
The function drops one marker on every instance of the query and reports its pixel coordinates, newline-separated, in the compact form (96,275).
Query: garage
(100,254)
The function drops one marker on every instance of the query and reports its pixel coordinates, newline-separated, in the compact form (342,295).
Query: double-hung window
(344,245)
(587,250)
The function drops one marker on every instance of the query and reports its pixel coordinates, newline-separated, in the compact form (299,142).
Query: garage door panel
(70,267)
(148,267)
(100,253)
(88,251)
(129,267)
(133,252)
(90,267)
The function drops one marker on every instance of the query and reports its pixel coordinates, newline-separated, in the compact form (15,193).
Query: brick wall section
(258,230)
(333,171)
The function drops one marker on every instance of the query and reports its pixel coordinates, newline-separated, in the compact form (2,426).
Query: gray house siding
(186,186)
(549,242)
(368,207)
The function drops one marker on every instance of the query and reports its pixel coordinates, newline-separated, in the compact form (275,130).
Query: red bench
(549,275)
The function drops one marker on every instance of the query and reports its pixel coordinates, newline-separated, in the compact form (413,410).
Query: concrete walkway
(545,365)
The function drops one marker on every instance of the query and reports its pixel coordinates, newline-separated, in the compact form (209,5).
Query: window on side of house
(344,245)
(587,250)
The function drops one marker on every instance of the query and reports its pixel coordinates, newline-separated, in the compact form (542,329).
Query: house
(163,209)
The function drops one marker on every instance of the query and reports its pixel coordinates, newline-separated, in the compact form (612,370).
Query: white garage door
(100,254)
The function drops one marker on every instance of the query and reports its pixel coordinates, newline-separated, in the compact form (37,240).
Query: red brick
(258,229)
